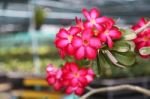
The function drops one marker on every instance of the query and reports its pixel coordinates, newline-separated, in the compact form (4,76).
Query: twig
(117,88)
(89,88)
(143,28)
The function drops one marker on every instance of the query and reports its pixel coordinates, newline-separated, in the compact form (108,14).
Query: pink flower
(54,76)
(77,90)
(109,32)
(90,75)
(143,38)
(92,18)
(62,53)
(64,40)
(74,75)
(86,45)
(79,23)
(140,23)
(76,78)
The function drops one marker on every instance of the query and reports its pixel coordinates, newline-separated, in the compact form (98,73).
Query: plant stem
(98,64)
(117,88)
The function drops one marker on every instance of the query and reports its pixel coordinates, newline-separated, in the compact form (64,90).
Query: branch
(117,88)
(89,88)
(143,28)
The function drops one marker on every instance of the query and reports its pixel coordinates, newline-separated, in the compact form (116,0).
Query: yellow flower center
(106,32)
(145,38)
(76,75)
(93,21)
(85,42)
(96,32)
(70,38)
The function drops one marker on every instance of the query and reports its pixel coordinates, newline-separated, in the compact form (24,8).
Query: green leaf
(128,34)
(105,65)
(132,45)
(121,46)
(125,58)
(98,68)
(145,50)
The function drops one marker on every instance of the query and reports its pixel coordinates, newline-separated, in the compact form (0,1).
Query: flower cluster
(72,78)
(85,38)
(89,39)
(143,38)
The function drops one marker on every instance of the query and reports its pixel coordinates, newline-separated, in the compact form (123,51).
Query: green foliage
(21,60)
(125,58)
(121,46)
(145,51)
(128,34)
(39,16)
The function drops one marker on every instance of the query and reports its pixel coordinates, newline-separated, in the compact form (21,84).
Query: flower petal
(115,33)
(99,27)
(62,53)
(141,22)
(109,22)
(100,20)
(76,42)
(89,78)
(140,45)
(83,72)
(109,42)
(57,86)
(94,13)
(74,82)
(74,30)
(73,67)
(80,53)
(62,33)
(51,80)
(86,35)
(79,91)
(86,13)
(88,24)
(102,37)
(69,90)
(70,49)
(90,52)
(95,43)
(83,80)
(61,43)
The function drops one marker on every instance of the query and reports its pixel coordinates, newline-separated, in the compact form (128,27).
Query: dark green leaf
(125,58)
(121,46)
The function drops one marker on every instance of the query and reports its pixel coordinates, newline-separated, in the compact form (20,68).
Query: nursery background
(27,33)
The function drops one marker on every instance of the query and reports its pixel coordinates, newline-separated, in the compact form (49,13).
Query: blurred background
(27,31)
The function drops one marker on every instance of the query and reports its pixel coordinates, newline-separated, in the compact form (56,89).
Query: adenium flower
(72,78)
(77,90)
(109,32)
(64,39)
(76,78)
(79,23)
(143,38)
(139,24)
(86,45)
(54,76)
(92,17)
